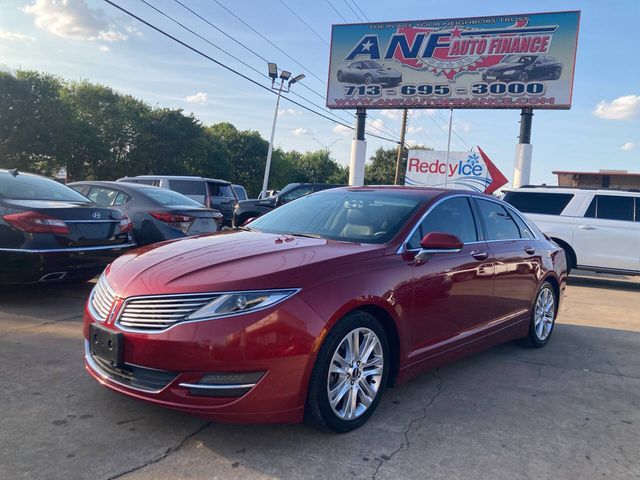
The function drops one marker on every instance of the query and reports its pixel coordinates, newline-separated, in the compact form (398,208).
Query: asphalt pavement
(567,411)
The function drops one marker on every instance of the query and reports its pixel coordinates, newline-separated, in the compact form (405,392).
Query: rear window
(169,198)
(240,193)
(220,190)
(194,189)
(31,187)
(543,202)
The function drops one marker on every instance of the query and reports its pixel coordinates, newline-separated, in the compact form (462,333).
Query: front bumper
(162,368)
(500,77)
(32,265)
(389,81)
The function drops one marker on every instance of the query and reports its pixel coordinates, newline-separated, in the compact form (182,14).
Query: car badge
(96,215)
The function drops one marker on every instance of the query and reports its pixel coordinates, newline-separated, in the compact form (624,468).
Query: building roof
(622,173)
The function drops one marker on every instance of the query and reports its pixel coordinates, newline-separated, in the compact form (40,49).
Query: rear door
(517,259)
(608,236)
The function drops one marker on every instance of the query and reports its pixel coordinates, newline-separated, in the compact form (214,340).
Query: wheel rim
(368,80)
(355,373)
(544,313)
(523,77)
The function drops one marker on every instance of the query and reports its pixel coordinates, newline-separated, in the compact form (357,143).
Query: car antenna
(14,172)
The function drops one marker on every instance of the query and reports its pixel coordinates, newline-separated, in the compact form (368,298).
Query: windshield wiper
(305,235)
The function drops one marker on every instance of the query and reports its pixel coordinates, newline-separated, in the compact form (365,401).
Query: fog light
(224,384)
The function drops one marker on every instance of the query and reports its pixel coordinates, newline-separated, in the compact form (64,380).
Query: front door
(452,290)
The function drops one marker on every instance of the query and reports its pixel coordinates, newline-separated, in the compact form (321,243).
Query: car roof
(124,186)
(424,192)
(170,177)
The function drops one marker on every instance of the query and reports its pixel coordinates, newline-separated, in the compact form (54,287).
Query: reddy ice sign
(505,61)
(464,170)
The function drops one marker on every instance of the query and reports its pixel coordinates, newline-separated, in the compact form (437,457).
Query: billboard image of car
(523,68)
(502,61)
(368,72)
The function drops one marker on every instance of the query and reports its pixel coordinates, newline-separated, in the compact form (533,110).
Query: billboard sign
(503,61)
(464,171)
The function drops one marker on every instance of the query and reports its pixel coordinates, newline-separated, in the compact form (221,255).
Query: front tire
(523,77)
(340,76)
(368,79)
(350,374)
(543,317)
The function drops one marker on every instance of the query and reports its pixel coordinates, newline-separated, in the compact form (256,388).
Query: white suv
(599,229)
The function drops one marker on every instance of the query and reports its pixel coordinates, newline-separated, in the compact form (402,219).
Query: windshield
(523,59)
(371,64)
(169,198)
(32,187)
(353,216)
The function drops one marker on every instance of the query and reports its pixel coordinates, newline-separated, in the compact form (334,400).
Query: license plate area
(106,345)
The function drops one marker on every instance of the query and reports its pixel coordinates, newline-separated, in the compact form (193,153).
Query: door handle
(478,255)
(587,227)
(530,250)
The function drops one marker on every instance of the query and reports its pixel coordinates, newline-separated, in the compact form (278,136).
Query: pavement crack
(418,420)
(164,455)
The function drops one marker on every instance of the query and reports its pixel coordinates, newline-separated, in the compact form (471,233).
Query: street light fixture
(284,76)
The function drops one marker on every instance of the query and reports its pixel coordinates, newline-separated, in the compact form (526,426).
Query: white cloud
(391,114)
(412,129)
(74,19)
(461,126)
(103,48)
(300,131)
(289,111)
(6,68)
(628,146)
(15,37)
(619,109)
(378,124)
(342,130)
(199,97)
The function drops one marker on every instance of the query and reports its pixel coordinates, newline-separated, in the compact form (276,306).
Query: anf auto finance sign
(505,61)
(465,170)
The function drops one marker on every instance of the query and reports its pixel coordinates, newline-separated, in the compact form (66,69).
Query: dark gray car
(157,213)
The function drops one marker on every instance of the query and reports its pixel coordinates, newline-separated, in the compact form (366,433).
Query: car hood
(505,67)
(387,71)
(232,260)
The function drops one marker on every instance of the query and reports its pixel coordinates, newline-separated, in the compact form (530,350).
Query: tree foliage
(96,133)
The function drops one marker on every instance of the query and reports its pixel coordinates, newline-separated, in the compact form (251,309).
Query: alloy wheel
(355,373)
(544,314)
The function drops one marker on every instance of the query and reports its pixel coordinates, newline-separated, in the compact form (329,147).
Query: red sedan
(318,306)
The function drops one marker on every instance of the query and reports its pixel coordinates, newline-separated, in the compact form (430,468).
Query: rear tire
(543,317)
(346,385)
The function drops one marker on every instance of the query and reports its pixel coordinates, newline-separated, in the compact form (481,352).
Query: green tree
(381,169)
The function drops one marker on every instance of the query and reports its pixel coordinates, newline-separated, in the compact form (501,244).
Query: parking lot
(570,410)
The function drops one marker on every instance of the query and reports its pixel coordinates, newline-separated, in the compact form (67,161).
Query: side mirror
(438,242)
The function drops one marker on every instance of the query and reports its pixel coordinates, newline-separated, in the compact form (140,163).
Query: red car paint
(434,311)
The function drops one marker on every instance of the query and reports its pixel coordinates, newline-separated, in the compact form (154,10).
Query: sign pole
(358,150)
(403,131)
(446,173)
(524,149)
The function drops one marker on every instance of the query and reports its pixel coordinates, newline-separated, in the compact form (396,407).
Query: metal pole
(403,131)
(265,182)
(526,117)
(446,173)
(522,169)
(361,116)
(358,150)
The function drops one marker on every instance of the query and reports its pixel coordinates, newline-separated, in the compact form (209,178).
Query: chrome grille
(155,313)
(101,299)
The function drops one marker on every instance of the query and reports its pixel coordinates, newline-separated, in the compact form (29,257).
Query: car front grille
(155,313)
(101,299)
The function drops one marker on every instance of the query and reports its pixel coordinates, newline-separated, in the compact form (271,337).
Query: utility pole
(524,149)
(446,173)
(284,76)
(358,150)
(403,131)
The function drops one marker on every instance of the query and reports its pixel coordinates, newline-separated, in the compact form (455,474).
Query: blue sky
(89,39)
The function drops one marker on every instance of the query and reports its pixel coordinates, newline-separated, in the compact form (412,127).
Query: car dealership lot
(570,410)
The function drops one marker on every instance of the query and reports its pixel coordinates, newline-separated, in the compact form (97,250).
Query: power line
(336,10)
(453,132)
(389,131)
(445,132)
(226,67)
(354,12)
(360,10)
(308,26)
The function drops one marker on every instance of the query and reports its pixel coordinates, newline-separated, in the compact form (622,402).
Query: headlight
(241,302)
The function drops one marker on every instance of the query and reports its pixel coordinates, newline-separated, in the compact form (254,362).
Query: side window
(611,207)
(102,196)
(500,225)
(637,209)
(542,202)
(452,216)
(525,231)
(296,193)
(121,198)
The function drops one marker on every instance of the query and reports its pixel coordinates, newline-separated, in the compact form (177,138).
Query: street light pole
(284,76)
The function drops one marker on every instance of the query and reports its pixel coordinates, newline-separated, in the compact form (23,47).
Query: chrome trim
(212,294)
(104,297)
(212,386)
(91,221)
(401,249)
(107,379)
(70,249)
